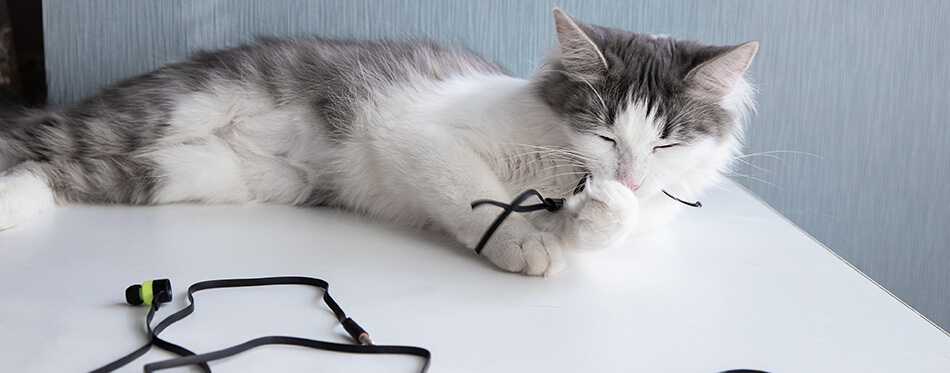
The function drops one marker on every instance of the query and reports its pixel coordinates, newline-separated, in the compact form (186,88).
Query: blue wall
(852,131)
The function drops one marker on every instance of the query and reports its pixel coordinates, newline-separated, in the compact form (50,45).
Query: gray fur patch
(333,75)
(641,68)
(92,150)
(103,179)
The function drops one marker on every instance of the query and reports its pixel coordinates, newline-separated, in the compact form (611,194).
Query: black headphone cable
(188,357)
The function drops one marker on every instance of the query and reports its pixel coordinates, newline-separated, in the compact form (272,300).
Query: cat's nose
(633,186)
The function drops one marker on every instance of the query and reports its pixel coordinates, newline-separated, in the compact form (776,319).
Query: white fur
(428,151)
(23,195)
(232,145)
(605,214)
(418,154)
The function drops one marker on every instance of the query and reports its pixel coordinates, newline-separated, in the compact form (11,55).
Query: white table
(732,285)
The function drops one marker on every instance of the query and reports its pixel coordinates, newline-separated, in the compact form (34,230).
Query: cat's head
(649,111)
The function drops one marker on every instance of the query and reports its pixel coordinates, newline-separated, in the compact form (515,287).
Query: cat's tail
(85,155)
(23,193)
(48,158)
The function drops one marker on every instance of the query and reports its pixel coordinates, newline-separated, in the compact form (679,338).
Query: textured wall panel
(851,140)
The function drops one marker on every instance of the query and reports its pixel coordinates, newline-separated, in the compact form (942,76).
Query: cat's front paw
(530,252)
(604,214)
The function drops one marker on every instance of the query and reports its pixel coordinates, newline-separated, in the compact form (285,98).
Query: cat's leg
(437,184)
(32,187)
(601,216)
(517,245)
(206,171)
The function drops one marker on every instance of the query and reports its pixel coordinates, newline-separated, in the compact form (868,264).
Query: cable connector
(364,340)
(357,332)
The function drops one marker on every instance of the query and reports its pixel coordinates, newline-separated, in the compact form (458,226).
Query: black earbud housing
(158,291)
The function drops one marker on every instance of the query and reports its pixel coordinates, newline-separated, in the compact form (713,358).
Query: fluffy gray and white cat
(405,132)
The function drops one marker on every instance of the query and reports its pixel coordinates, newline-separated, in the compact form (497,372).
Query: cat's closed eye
(655,148)
(608,139)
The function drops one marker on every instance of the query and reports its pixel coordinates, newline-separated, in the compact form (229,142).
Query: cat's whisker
(591,86)
(687,112)
(758,179)
(780,159)
(772,154)
(753,166)
(796,152)
(694,121)
(544,147)
(763,173)
(543,152)
(531,158)
(523,165)
(564,174)
(554,165)
(690,108)
(573,154)
(549,177)
(554,160)
(601,98)
(552,152)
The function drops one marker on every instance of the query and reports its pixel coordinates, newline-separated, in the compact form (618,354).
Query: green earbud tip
(146,293)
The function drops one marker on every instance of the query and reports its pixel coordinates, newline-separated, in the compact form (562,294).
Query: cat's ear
(719,75)
(579,53)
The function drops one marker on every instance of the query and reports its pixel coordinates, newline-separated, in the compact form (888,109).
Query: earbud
(159,291)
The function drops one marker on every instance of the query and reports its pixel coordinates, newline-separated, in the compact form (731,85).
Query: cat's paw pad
(605,213)
(535,254)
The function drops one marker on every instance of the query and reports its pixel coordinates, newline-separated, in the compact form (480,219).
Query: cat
(407,132)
